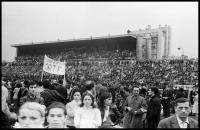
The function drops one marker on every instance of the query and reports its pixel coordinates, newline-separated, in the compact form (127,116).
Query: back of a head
(181,90)
(26,83)
(89,84)
(46,84)
(60,81)
(155,90)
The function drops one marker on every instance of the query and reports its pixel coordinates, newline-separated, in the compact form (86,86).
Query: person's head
(153,91)
(87,100)
(32,86)
(182,108)
(18,85)
(31,115)
(76,94)
(46,84)
(60,81)
(89,85)
(136,91)
(56,114)
(105,100)
(181,89)
(26,83)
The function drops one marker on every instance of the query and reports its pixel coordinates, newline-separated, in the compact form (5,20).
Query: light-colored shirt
(71,107)
(16,91)
(181,123)
(87,118)
(106,114)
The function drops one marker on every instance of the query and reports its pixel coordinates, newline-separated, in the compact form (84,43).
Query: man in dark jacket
(166,101)
(154,108)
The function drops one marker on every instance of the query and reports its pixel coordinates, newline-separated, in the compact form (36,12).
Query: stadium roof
(70,40)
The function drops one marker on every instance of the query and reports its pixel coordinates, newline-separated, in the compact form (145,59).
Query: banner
(185,87)
(53,67)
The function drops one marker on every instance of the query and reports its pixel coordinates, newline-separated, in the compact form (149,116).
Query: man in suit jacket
(134,106)
(181,118)
(154,108)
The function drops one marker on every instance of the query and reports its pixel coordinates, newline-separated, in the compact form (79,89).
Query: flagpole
(43,68)
(42,75)
(64,81)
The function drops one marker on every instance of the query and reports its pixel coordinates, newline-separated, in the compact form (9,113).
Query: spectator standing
(195,109)
(32,95)
(6,115)
(133,107)
(72,106)
(154,108)
(110,115)
(15,96)
(181,118)
(87,116)
(166,101)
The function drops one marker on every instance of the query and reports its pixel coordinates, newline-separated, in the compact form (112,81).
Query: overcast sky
(26,22)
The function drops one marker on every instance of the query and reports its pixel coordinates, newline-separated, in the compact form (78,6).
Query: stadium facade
(147,44)
(153,43)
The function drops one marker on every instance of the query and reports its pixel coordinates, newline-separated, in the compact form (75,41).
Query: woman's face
(30,118)
(108,101)
(77,96)
(56,118)
(87,101)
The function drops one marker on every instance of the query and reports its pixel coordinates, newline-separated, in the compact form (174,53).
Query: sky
(26,22)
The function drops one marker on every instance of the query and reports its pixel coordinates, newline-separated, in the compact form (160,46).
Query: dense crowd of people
(103,89)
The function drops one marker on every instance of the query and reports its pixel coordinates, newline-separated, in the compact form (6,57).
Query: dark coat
(172,122)
(132,119)
(153,112)
(114,115)
(51,96)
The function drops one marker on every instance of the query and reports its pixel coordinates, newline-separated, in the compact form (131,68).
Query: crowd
(102,90)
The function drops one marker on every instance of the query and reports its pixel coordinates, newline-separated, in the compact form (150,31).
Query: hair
(87,94)
(32,83)
(181,89)
(40,83)
(34,106)
(18,85)
(74,91)
(135,87)
(46,84)
(56,105)
(60,81)
(89,85)
(102,98)
(155,90)
(181,100)
(26,82)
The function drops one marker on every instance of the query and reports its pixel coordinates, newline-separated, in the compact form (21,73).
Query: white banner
(53,67)
(185,87)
